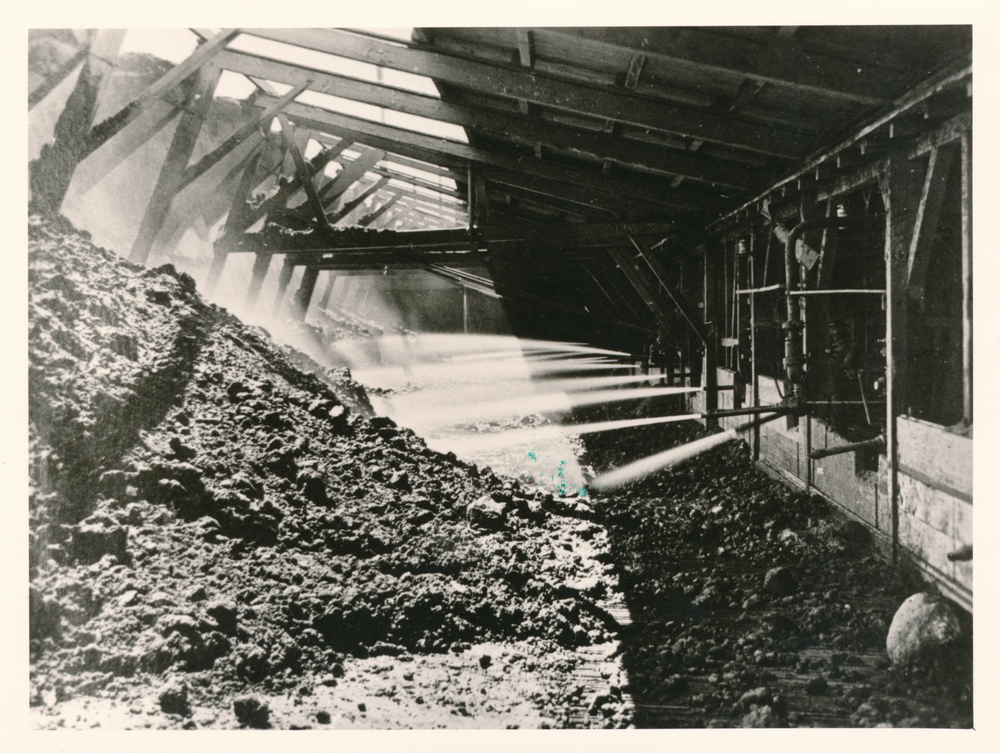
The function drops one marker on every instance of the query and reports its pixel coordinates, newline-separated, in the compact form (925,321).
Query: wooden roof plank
(547,92)
(395,139)
(528,130)
(783,63)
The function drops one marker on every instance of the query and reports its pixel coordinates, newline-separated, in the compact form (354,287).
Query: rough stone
(485,513)
(174,699)
(780,581)
(921,625)
(252,712)
(94,538)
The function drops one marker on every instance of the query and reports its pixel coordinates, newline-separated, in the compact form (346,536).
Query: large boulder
(923,624)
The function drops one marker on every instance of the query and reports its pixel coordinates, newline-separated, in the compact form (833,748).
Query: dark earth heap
(754,605)
(208,522)
(222,536)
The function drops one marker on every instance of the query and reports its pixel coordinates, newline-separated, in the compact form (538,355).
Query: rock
(224,614)
(251,712)
(760,717)
(780,581)
(323,717)
(399,480)
(923,624)
(95,537)
(817,686)
(757,697)
(485,660)
(177,623)
(196,593)
(253,664)
(174,699)
(485,513)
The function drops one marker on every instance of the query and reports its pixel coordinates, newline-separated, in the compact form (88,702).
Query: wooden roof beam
(398,139)
(781,62)
(560,94)
(527,130)
(204,53)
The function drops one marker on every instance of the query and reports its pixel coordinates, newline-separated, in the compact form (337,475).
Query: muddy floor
(222,535)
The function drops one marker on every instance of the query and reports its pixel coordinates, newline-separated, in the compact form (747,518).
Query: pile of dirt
(218,538)
(755,605)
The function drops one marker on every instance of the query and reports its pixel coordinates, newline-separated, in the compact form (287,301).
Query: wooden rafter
(563,95)
(178,155)
(241,135)
(453,152)
(526,130)
(781,62)
(202,55)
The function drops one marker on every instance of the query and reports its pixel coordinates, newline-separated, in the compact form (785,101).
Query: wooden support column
(711,378)
(284,278)
(178,155)
(901,185)
(52,172)
(325,300)
(754,376)
(967,277)
(303,296)
(260,267)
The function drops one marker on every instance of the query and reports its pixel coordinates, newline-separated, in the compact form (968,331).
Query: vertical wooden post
(284,278)
(260,267)
(325,300)
(900,184)
(967,277)
(709,314)
(465,309)
(178,155)
(755,392)
(236,210)
(471,196)
(303,296)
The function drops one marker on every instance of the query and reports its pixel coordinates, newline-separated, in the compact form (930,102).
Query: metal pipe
(780,409)
(830,292)
(877,442)
(768,289)
(794,359)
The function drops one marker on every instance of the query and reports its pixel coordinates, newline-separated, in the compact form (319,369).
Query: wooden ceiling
(666,121)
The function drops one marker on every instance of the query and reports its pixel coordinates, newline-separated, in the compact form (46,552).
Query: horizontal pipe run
(868,444)
(781,409)
(835,292)
(822,403)
(768,289)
